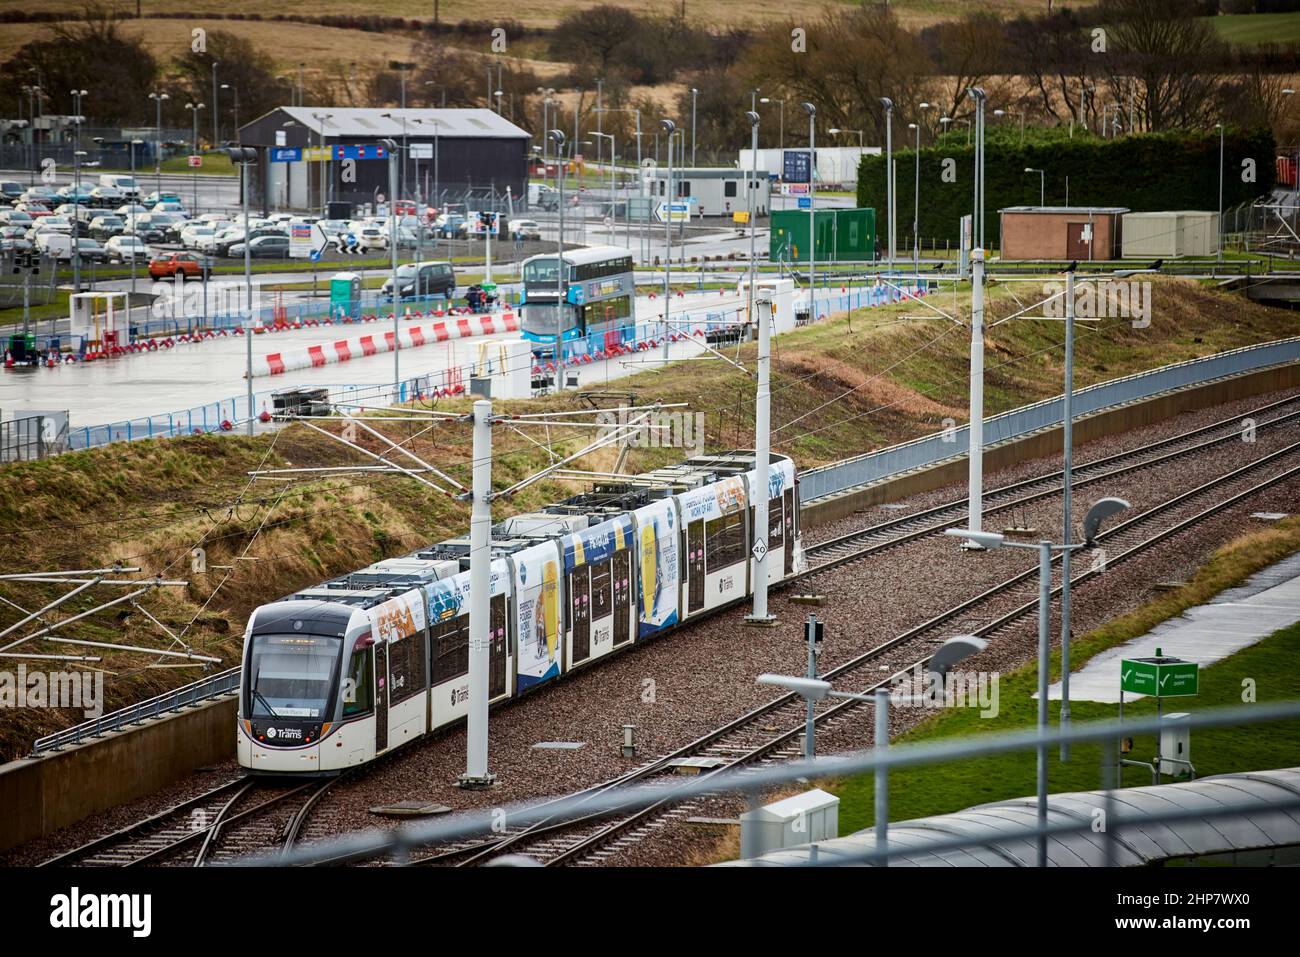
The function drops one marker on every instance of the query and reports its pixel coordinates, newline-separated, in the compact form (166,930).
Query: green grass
(1253,29)
(942,789)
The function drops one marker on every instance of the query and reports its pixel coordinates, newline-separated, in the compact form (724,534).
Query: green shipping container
(843,235)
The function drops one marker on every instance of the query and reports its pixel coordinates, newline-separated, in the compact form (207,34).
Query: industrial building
(836,165)
(712,191)
(450,154)
(1061,232)
(1170,234)
(843,235)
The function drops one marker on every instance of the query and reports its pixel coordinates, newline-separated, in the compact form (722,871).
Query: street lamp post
(889,177)
(694,97)
(243,157)
(216,108)
(194,112)
(1102,510)
(557,137)
(157,167)
(133,219)
(669,128)
(763,404)
(781,113)
(235,93)
(1219,243)
(1042,185)
(811,110)
(916,205)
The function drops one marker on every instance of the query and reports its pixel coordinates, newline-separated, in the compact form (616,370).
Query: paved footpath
(1237,618)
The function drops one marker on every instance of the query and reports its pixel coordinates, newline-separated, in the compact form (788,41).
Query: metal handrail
(203,689)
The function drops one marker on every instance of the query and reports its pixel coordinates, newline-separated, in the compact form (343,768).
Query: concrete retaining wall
(40,795)
(1044,442)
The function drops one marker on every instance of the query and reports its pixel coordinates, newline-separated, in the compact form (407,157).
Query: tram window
(452,649)
(406,667)
(724,540)
(775,535)
(601,590)
(358,685)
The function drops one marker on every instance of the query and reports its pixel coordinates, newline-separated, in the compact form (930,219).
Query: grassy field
(1256,28)
(841,387)
(720,14)
(942,789)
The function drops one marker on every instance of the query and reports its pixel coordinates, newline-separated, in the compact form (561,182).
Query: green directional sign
(1161,677)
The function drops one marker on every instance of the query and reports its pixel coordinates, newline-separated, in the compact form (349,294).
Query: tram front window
(292,676)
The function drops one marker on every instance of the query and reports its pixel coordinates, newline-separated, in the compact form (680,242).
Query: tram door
(381,696)
(787,502)
(695,557)
(621,570)
(497,647)
(579,591)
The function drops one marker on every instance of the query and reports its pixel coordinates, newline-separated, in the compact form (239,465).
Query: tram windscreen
(292,676)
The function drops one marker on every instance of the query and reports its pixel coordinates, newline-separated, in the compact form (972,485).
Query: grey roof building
(449,153)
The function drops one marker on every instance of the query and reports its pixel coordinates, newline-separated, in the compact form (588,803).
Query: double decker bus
(595,296)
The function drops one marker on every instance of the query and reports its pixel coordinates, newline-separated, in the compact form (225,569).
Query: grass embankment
(838,389)
(1269,665)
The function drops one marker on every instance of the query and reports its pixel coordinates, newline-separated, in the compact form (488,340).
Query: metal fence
(204,689)
(33,437)
(927,451)
(882,762)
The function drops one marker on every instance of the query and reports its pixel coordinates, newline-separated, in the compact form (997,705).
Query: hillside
(839,388)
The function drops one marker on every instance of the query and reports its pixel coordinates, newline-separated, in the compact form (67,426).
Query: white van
(125,184)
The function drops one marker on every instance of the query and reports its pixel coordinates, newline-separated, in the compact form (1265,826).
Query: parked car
(106,227)
(13,239)
(423,279)
(39,194)
(59,224)
(170,206)
(124,249)
(224,246)
(107,196)
(11,190)
(82,196)
(130,209)
(91,251)
(525,229)
(275,246)
(193,234)
(191,265)
(125,184)
(161,196)
(454,227)
(34,209)
(16,217)
(372,237)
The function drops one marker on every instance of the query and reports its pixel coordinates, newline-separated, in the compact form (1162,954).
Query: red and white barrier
(408,337)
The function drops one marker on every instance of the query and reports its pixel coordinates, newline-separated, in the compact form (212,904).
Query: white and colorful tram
(336,675)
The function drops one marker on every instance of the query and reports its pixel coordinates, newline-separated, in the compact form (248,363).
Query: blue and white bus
(599,296)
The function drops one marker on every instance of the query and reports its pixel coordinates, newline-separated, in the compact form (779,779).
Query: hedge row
(1143,172)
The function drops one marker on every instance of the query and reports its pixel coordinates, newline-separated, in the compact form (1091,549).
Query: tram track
(862,543)
(236,818)
(772,732)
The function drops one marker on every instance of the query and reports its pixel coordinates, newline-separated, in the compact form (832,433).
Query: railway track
(772,732)
(239,817)
(856,545)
